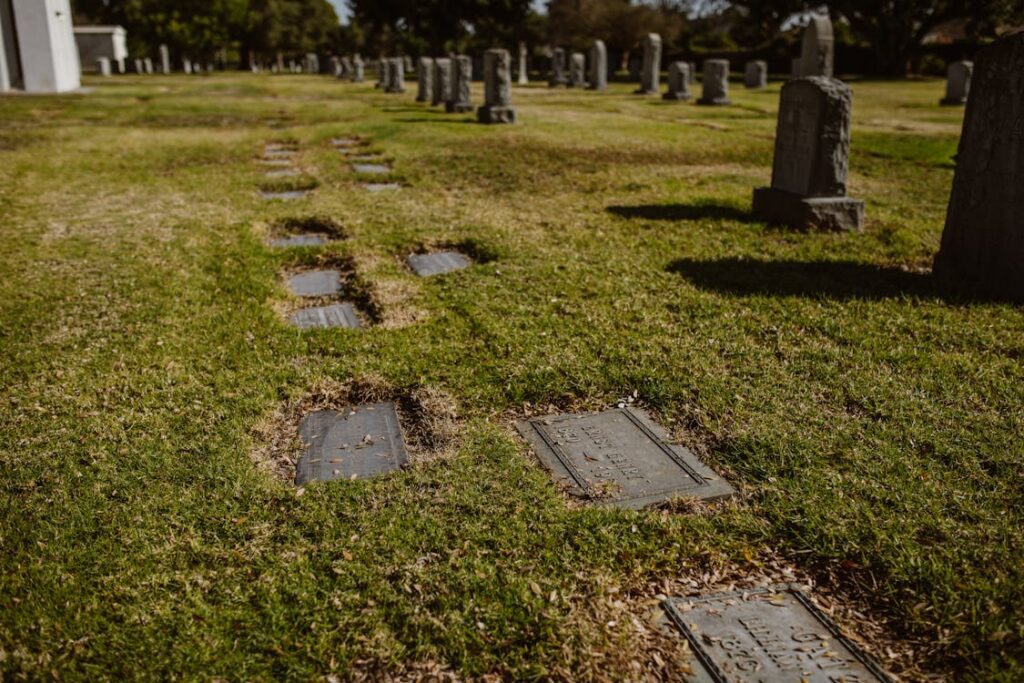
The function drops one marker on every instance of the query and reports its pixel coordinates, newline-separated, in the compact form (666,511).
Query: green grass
(871,418)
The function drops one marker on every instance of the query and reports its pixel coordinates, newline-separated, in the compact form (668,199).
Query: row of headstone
(447,81)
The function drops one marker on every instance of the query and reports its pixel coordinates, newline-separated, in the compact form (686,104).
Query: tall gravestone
(358,69)
(598,66)
(424,79)
(817,53)
(812,156)
(497,89)
(523,76)
(186,65)
(983,241)
(558,76)
(715,91)
(383,66)
(756,75)
(147,64)
(442,80)
(165,60)
(958,83)
(462,77)
(396,76)
(678,82)
(577,70)
(334,66)
(651,69)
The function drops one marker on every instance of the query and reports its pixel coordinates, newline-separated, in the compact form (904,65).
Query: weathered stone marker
(371,169)
(396,76)
(424,79)
(147,65)
(577,70)
(678,82)
(756,75)
(315,283)
(442,80)
(139,68)
(715,90)
(558,76)
(356,443)
(358,69)
(770,634)
(165,60)
(497,89)
(651,70)
(523,76)
(462,76)
(693,72)
(284,195)
(314,239)
(958,83)
(381,187)
(812,154)
(322,317)
(817,53)
(620,458)
(103,66)
(983,241)
(437,263)
(598,66)
(383,77)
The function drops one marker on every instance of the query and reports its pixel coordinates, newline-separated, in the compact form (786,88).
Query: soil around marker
(354,289)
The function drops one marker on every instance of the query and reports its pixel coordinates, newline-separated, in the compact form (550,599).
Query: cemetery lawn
(871,419)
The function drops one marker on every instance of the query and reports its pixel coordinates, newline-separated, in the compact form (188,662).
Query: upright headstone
(756,75)
(147,64)
(462,77)
(634,69)
(558,76)
(812,155)
(577,70)
(598,66)
(358,69)
(396,76)
(334,65)
(37,41)
(497,89)
(983,241)
(678,82)
(715,86)
(524,77)
(817,54)
(424,79)
(186,65)
(442,81)
(958,83)
(103,66)
(693,72)
(165,60)
(311,63)
(383,65)
(652,65)
(347,69)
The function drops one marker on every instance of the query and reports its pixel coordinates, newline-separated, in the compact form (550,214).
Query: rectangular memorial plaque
(313,239)
(315,283)
(796,142)
(371,168)
(619,457)
(356,443)
(323,317)
(425,265)
(286,195)
(381,187)
(772,634)
(282,173)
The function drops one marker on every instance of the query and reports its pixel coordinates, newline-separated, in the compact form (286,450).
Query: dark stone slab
(803,213)
(305,240)
(287,195)
(357,443)
(315,283)
(772,634)
(425,265)
(371,168)
(335,315)
(619,457)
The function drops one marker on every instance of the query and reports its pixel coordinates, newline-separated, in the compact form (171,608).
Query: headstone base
(953,101)
(457,107)
(487,114)
(641,91)
(677,96)
(808,213)
(715,102)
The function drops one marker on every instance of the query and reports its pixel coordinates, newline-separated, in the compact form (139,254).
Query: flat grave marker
(346,142)
(381,187)
(276,162)
(281,173)
(371,168)
(304,240)
(278,153)
(619,457)
(437,263)
(356,443)
(323,317)
(315,283)
(771,634)
(286,195)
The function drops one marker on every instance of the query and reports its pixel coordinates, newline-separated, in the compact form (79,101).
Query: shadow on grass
(683,212)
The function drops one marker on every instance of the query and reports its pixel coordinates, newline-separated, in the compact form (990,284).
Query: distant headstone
(558,67)
(678,82)
(523,76)
(283,195)
(186,65)
(442,80)
(396,76)
(347,68)
(652,65)
(424,79)
(756,75)
(598,66)
(577,70)
(383,77)
(381,187)
(334,65)
(619,457)
(319,317)
(812,153)
(958,83)
(437,263)
(817,54)
(767,634)
(983,241)
(139,68)
(311,63)
(715,86)
(693,72)
(356,443)
(462,75)
(147,65)
(407,63)
(165,60)
(103,66)
(315,283)
(358,69)
(371,169)
(497,107)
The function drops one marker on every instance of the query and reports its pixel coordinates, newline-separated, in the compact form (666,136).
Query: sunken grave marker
(437,263)
(323,317)
(315,283)
(356,443)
